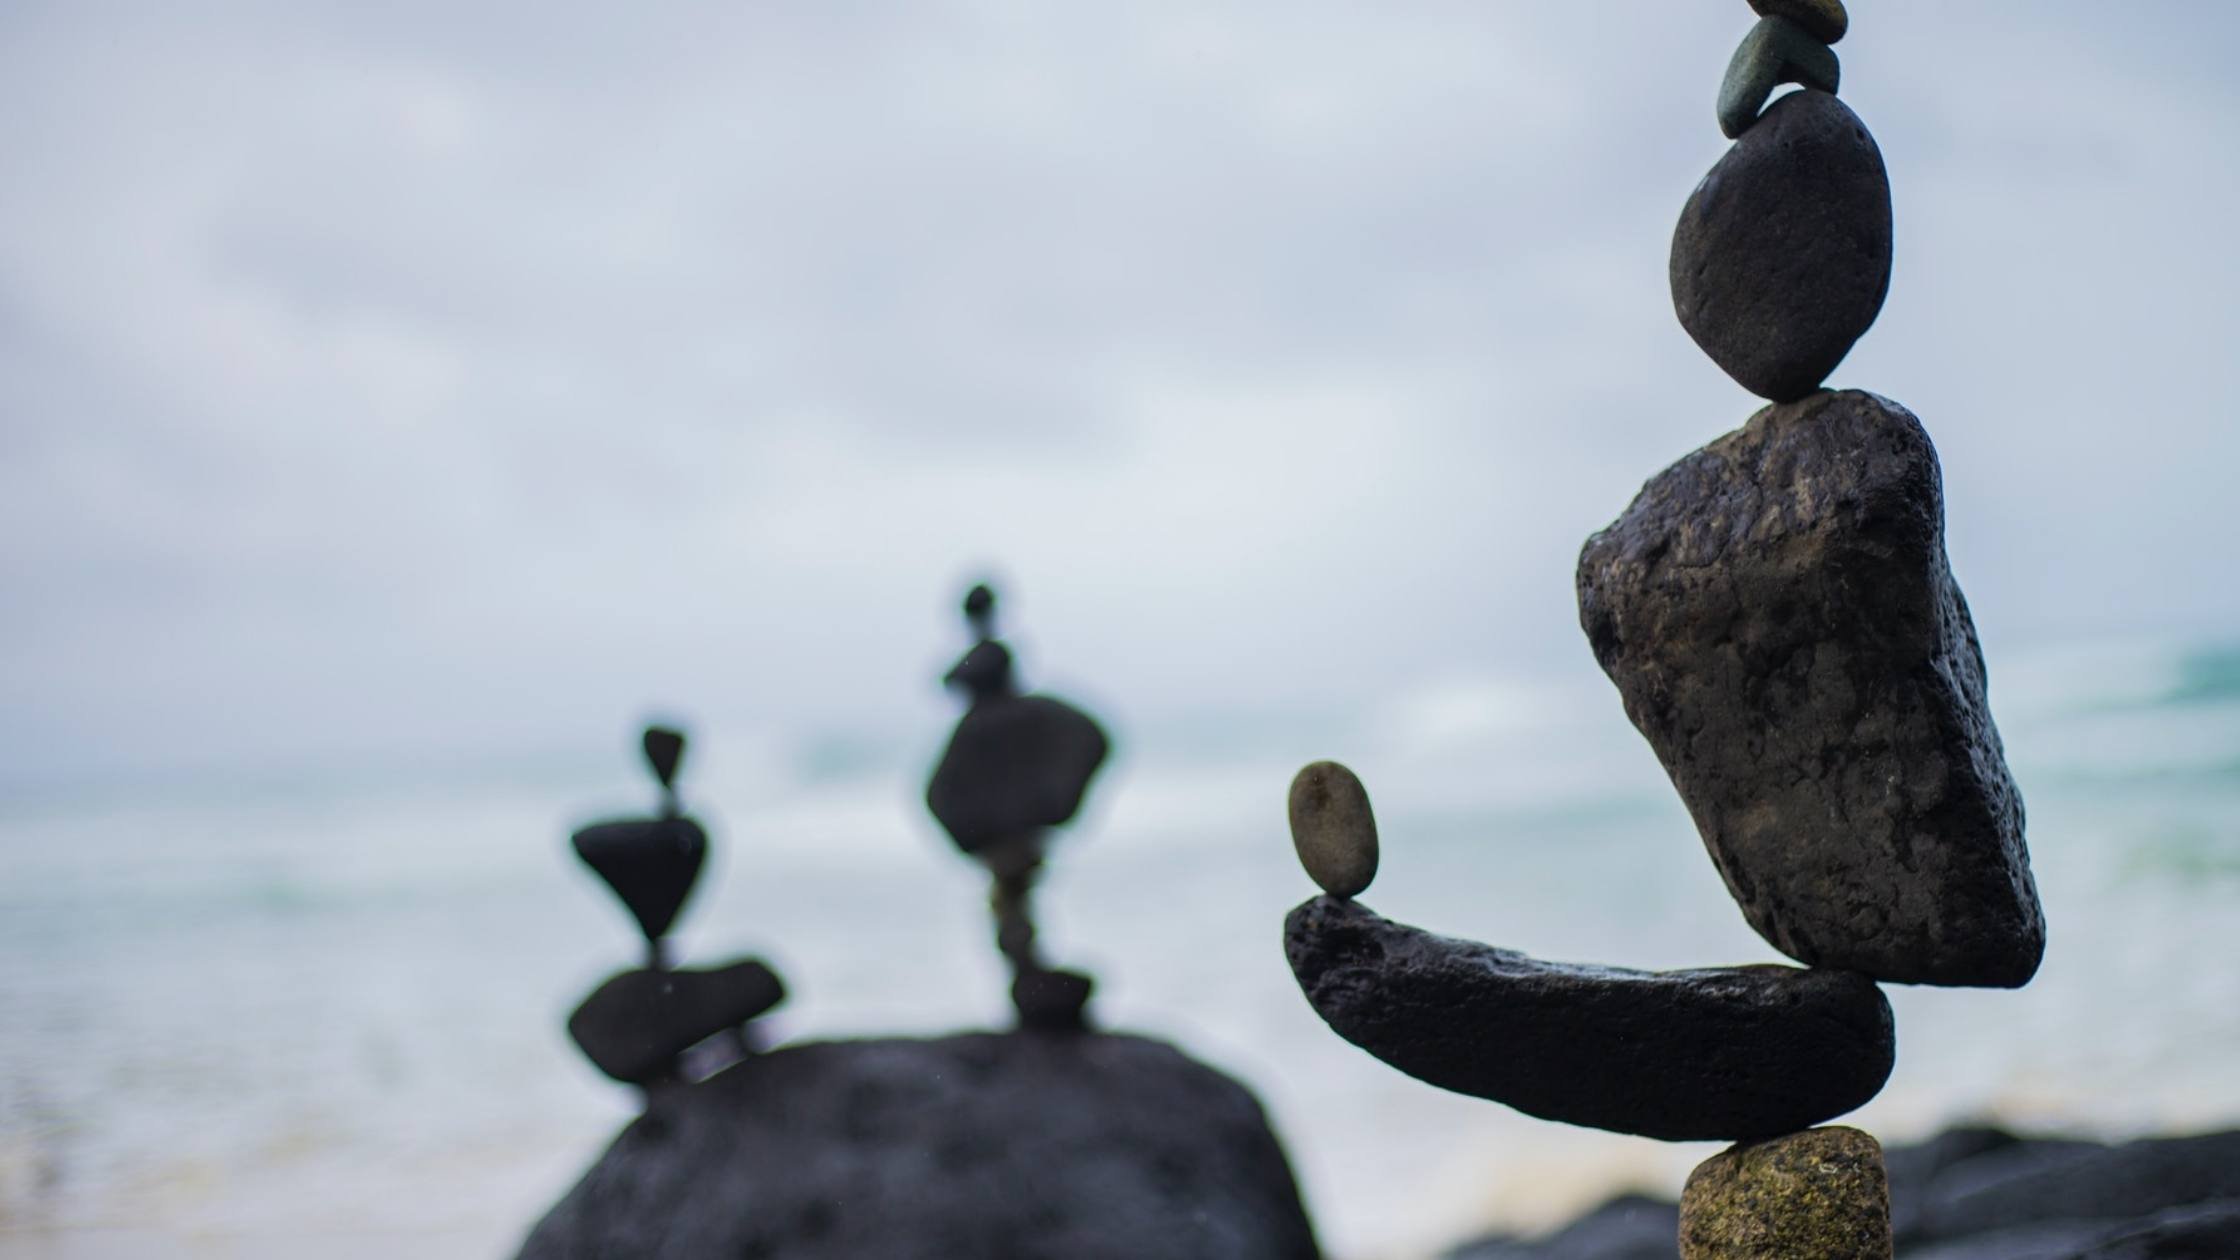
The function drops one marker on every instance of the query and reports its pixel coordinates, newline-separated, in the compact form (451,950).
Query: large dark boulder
(983,1145)
(1720,1053)
(1777,612)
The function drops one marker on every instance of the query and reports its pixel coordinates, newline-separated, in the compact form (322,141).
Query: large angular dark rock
(1726,1053)
(1089,1147)
(651,863)
(1777,612)
(1015,764)
(1782,255)
(635,1025)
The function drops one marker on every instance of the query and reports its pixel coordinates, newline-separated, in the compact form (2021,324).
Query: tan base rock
(1820,1194)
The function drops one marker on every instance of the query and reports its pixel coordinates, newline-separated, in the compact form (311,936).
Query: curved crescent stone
(1776,51)
(1726,1054)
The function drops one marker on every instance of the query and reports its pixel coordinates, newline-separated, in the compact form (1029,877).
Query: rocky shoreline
(1983,1193)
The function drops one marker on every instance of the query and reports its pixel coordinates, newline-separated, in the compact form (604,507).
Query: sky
(399,386)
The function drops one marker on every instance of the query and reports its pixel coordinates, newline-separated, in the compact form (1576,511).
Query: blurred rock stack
(640,1025)
(1778,615)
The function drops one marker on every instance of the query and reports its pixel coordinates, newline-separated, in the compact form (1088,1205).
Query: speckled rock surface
(1781,258)
(1333,829)
(1092,1147)
(1820,1193)
(1719,1053)
(1777,612)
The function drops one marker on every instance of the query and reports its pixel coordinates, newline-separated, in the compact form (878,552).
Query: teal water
(313,1019)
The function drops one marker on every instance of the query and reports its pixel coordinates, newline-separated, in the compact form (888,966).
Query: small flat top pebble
(1824,19)
(1332,828)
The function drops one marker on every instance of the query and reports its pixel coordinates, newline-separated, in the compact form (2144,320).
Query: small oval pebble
(1776,51)
(1824,19)
(1332,828)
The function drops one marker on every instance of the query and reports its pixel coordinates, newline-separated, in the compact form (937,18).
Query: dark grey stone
(1777,612)
(664,749)
(1003,1147)
(1824,20)
(1016,764)
(1728,1053)
(651,863)
(1776,51)
(635,1025)
(1782,255)
(2051,1240)
(1052,1000)
(2038,1182)
(1629,1227)
(1913,1167)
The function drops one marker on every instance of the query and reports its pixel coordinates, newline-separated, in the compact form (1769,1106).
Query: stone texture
(1777,612)
(1724,1053)
(1819,1193)
(1824,20)
(1015,764)
(1093,1148)
(635,1025)
(1776,51)
(2036,1182)
(1781,258)
(651,863)
(1333,829)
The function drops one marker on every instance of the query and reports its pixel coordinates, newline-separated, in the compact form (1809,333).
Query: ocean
(288,1019)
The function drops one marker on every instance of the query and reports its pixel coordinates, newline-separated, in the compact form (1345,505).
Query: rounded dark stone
(1782,255)
(1015,765)
(1821,1193)
(1720,1053)
(635,1025)
(1050,1000)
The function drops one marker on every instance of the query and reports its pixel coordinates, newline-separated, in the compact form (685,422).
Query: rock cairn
(1016,767)
(1778,615)
(659,1022)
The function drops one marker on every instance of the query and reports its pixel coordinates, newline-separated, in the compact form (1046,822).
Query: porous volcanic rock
(1718,1053)
(1777,612)
(1092,1147)
(1818,1194)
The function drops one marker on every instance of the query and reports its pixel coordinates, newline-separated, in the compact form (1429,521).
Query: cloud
(403,381)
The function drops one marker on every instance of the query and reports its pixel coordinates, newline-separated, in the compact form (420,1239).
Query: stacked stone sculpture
(1778,615)
(1016,767)
(639,1025)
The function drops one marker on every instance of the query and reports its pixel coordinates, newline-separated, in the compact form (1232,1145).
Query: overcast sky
(384,382)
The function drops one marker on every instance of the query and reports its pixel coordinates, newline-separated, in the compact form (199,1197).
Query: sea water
(325,1019)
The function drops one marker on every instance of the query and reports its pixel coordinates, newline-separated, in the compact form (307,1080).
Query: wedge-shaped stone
(1723,1053)
(1777,612)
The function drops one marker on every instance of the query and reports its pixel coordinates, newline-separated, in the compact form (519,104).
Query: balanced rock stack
(1778,616)
(1015,767)
(639,1025)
